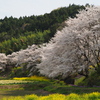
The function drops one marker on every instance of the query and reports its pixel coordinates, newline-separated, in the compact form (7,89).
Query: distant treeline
(18,33)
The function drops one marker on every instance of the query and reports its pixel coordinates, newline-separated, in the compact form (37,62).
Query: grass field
(40,88)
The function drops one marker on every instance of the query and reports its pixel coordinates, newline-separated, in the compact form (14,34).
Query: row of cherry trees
(69,52)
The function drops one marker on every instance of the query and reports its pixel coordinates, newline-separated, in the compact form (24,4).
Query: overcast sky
(17,8)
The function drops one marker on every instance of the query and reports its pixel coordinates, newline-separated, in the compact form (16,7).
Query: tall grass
(72,96)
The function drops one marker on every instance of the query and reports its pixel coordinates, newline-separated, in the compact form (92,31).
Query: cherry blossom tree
(75,48)
(27,59)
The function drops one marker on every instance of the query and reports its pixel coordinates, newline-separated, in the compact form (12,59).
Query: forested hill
(18,33)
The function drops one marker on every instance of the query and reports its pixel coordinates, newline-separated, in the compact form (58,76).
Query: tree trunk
(69,80)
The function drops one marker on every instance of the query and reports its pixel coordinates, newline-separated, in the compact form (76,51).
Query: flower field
(53,90)
(23,80)
(32,78)
(5,82)
(72,96)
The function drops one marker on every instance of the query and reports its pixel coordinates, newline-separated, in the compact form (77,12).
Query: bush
(18,72)
(92,80)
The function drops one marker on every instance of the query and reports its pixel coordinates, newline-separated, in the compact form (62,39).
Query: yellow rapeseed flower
(34,78)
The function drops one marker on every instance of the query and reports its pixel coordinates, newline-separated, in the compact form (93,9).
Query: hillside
(18,33)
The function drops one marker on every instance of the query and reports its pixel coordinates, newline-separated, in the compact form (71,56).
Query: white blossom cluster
(29,56)
(24,56)
(70,51)
(3,61)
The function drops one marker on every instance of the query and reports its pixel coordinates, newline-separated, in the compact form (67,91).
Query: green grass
(79,80)
(41,86)
(16,92)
